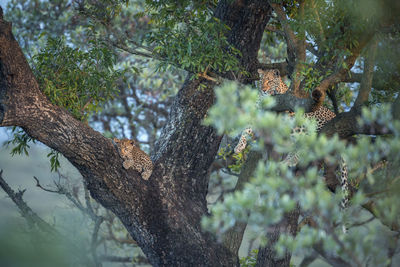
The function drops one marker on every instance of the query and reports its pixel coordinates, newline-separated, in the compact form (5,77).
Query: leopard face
(126,147)
(271,82)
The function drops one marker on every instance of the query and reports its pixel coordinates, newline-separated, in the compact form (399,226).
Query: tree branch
(341,73)
(366,82)
(318,20)
(289,102)
(291,38)
(31,217)
(331,259)
(392,225)
(345,125)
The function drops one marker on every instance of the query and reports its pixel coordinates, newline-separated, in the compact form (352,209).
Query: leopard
(134,157)
(271,83)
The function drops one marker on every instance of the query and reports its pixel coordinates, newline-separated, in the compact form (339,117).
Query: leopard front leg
(128,163)
(246,134)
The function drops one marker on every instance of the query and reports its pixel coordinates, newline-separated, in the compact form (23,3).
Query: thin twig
(362,223)
(45,189)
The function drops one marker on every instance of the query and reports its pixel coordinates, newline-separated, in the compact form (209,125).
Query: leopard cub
(134,157)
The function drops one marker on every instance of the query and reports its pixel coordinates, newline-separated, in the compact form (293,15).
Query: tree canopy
(180,77)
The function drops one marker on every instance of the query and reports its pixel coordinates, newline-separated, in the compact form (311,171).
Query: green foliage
(21,141)
(239,158)
(105,10)
(250,260)
(275,189)
(187,35)
(311,76)
(387,70)
(77,80)
(54,160)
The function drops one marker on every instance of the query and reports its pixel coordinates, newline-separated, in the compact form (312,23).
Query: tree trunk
(267,255)
(162,214)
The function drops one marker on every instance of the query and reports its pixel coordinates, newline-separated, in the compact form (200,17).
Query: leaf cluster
(250,260)
(105,10)
(186,34)
(80,81)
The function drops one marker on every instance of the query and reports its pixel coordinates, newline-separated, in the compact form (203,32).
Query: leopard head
(125,145)
(271,82)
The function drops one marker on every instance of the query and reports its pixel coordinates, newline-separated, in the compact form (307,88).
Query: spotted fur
(241,145)
(271,83)
(134,157)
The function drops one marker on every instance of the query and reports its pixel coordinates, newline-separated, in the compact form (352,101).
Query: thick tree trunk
(162,214)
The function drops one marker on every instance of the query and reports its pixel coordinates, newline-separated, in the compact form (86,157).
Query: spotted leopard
(271,83)
(134,157)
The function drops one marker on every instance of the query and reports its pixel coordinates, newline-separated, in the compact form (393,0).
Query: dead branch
(31,217)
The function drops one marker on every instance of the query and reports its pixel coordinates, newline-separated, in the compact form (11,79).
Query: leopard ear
(277,73)
(133,142)
(260,71)
(116,140)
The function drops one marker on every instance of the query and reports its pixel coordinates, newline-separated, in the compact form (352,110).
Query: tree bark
(162,214)
(267,255)
(234,236)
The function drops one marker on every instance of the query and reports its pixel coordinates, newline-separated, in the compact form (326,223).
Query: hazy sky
(3,3)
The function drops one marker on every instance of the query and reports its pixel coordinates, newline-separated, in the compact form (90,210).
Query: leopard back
(322,115)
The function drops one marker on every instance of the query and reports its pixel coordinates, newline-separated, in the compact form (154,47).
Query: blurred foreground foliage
(274,189)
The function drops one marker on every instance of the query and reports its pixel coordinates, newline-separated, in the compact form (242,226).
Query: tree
(213,41)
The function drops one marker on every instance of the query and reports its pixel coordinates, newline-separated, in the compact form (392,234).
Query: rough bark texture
(267,256)
(162,214)
(247,20)
(344,124)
